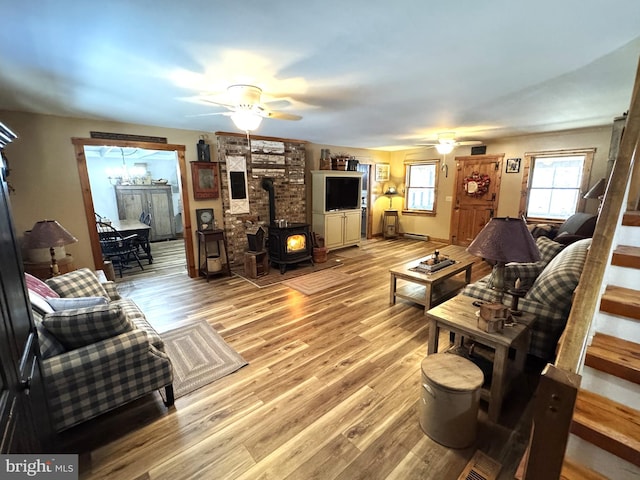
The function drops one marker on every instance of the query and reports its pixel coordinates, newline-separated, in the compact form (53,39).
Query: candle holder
(516,295)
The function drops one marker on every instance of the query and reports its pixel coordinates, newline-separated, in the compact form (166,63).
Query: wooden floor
(332,389)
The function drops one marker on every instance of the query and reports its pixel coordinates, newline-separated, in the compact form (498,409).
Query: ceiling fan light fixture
(445,147)
(246,120)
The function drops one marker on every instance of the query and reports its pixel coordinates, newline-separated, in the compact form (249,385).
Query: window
(420,186)
(556,182)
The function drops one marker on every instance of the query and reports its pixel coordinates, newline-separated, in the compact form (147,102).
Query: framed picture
(382,172)
(513,165)
(204,217)
(205,180)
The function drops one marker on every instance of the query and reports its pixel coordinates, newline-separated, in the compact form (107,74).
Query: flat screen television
(342,193)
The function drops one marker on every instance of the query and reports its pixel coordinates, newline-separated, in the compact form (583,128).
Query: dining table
(142,230)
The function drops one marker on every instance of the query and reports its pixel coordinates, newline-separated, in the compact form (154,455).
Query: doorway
(80,144)
(365,226)
(477,186)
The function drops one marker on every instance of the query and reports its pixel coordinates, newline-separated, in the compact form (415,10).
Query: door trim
(80,143)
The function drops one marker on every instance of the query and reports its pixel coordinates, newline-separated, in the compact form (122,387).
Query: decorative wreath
(477,184)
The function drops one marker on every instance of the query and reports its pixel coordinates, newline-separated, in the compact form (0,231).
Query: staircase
(605,431)
(586,415)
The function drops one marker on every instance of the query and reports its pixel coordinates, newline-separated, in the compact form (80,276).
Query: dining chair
(120,250)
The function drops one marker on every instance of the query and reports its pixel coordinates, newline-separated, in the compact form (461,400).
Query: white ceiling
(361,73)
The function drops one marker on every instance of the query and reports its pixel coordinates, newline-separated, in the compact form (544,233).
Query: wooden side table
(204,237)
(458,316)
(390,224)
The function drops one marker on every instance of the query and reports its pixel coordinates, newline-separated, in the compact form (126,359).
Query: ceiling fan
(446,142)
(245,108)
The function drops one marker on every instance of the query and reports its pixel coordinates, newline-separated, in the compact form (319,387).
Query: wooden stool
(256,264)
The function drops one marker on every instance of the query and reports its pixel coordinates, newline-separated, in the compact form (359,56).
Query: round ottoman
(450,398)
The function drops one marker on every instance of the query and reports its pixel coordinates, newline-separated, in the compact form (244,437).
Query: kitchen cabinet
(157,200)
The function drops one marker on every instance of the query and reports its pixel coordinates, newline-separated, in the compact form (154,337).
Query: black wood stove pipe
(267,184)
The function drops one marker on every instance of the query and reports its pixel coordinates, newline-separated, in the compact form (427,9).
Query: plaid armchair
(98,351)
(550,284)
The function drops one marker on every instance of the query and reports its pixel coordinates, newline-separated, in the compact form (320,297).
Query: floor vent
(481,467)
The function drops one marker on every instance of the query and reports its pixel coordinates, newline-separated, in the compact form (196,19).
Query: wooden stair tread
(575,471)
(621,301)
(626,256)
(631,218)
(607,424)
(615,356)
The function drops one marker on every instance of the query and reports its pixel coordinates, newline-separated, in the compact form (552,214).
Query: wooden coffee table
(428,289)
(458,316)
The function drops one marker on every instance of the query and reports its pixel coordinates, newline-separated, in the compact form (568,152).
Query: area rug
(318,281)
(199,356)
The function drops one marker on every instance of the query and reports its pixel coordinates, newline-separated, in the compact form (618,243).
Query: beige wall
(45,176)
(437,227)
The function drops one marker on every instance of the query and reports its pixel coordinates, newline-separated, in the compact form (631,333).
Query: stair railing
(558,388)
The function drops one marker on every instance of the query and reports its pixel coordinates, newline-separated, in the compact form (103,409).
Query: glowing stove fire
(296,243)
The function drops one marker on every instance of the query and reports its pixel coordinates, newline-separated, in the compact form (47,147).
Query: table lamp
(49,234)
(504,240)
(390,193)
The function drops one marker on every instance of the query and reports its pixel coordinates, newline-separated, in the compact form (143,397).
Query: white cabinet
(339,229)
(337,215)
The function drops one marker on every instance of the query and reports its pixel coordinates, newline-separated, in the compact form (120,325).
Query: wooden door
(161,208)
(25,425)
(477,186)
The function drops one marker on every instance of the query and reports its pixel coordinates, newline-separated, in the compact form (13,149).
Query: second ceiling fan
(446,142)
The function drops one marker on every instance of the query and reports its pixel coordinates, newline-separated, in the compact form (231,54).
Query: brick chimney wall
(288,173)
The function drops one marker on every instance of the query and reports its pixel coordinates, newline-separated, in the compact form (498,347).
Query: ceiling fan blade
(226,114)
(470,142)
(213,102)
(426,144)
(279,115)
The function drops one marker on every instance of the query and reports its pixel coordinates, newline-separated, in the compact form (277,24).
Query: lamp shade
(597,190)
(505,240)
(48,234)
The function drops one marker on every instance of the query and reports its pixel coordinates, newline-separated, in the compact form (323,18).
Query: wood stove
(289,245)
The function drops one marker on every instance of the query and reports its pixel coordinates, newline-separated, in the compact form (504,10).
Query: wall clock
(204,218)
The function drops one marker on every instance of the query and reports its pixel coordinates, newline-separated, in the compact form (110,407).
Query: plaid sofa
(551,281)
(98,357)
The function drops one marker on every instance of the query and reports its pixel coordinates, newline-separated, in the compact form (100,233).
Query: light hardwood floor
(332,389)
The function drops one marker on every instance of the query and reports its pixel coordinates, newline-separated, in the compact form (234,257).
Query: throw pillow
(548,249)
(84,326)
(555,285)
(49,345)
(38,286)
(73,303)
(79,283)
(39,303)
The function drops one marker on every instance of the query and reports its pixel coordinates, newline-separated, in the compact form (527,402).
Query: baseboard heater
(417,236)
